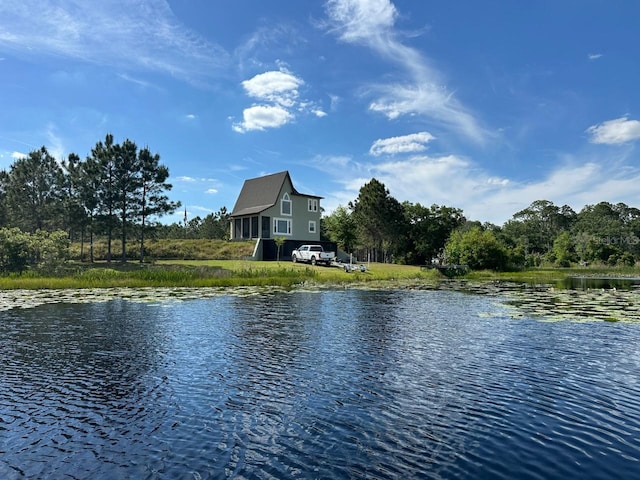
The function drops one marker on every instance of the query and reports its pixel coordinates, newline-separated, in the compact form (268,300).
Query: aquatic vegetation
(605,305)
(539,295)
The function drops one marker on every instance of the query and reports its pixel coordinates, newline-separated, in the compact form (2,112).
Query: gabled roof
(261,193)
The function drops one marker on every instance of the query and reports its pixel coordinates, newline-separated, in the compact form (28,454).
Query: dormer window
(285,205)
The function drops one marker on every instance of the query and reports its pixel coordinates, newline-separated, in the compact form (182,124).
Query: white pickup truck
(312,254)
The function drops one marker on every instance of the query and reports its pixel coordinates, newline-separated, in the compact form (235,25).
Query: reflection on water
(337,384)
(590,283)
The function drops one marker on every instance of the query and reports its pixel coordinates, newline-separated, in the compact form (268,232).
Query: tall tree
(536,227)
(216,225)
(104,157)
(379,218)
(127,182)
(75,215)
(604,232)
(428,230)
(340,227)
(89,191)
(152,185)
(4,183)
(34,192)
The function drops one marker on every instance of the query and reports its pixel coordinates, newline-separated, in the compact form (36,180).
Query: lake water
(327,385)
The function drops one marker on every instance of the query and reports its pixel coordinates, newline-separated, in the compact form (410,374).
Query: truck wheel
(294,259)
(313,260)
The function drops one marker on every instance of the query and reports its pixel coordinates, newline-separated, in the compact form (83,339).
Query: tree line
(378,227)
(118,188)
(114,191)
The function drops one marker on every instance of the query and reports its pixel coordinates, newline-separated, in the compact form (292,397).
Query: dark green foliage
(214,226)
(428,230)
(115,187)
(152,185)
(41,251)
(35,193)
(379,221)
(476,248)
(120,188)
(340,227)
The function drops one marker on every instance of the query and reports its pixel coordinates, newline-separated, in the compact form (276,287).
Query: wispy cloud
(278,94)
(594,56)
(415,142)
(460,182)
(142,35)
(615,132)
(371,23)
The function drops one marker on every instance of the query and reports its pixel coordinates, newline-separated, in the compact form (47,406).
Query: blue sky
(484,106)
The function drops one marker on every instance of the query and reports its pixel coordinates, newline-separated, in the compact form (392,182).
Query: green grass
(210,273)
(193,249)
(236,273)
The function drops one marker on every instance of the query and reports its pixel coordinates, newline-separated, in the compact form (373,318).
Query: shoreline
(541,300)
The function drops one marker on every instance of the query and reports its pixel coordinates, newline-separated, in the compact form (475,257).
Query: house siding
(256,205)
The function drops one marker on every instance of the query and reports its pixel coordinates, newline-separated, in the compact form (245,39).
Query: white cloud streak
(371,23)
(142,35)
(615,132)
(415,142)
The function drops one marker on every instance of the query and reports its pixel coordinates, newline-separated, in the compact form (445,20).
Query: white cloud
(371,23)
(415,142)
(143,35)
(211,191)
(361,20)
(458,182)
(55,147)
(615,132)
(594,56)
(261,117)
(278,90)
(280,87)
(18,155)
(186,179)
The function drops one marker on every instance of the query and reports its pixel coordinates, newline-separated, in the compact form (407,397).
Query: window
(285,205)
(313,204)
(246,232)
(281,226)
(312,226)
(254,227)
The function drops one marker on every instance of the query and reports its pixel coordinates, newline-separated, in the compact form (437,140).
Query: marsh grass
(550,275)
(236,273)
(211,273)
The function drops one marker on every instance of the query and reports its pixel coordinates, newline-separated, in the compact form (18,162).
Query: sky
(482,106)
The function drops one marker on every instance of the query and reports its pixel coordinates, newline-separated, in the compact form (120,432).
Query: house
(269,207)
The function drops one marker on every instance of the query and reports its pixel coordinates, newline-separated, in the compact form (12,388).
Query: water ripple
(335,384)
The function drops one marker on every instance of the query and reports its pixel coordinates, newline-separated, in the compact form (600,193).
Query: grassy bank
(235,273)
(209,273)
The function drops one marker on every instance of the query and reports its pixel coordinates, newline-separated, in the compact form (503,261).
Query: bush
(478,249)
(42,251)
